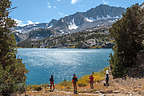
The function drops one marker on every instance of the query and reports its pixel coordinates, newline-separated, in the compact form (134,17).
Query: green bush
(34,88)
(81,84)
(37,88)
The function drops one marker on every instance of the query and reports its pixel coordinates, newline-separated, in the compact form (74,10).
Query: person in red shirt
(52,83)
(91,80)
(74,81)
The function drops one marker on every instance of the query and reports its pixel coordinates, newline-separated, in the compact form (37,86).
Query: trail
(66,93)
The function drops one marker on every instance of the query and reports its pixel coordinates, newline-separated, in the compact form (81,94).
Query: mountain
(100,16)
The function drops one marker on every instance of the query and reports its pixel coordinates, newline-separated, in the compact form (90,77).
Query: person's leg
(75,88)
(92,86)
(50,87)
(107,82)
(53,86)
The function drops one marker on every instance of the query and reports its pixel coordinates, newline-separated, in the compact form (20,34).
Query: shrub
(66,83)
(36,87)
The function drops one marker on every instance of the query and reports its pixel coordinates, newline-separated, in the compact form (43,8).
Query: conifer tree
(12,70)
(126,32)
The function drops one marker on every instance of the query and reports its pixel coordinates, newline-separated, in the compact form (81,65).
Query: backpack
(74,80)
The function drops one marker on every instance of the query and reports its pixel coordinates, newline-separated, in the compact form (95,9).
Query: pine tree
(12,70)
(126,33)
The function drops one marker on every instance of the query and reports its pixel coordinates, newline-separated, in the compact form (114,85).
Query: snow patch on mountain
(19,31)
(107,17)
(72,25)
(89,20)
(142,6)
(62,20)
(50,26)
(62,32)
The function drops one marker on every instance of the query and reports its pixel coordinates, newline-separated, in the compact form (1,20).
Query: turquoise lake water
(62,63)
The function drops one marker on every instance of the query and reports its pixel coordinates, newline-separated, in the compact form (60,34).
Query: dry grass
(83,81)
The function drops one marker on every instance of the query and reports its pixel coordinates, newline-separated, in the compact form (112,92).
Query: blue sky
(42,11)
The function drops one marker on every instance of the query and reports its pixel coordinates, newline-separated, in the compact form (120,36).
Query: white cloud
(50,6)
(104,2)
(58,0)
(21,23)
(74,1)
(30,22)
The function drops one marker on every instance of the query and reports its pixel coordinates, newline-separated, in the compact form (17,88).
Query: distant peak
(53,20)
(104,5)
(142,5)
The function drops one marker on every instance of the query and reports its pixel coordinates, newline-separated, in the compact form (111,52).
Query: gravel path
(64,93)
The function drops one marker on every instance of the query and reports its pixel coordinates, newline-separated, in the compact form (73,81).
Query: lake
(62,63)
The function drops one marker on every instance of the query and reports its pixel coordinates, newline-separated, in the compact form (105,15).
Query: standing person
(91,79)
(52,83)
(74,81)
(107,77)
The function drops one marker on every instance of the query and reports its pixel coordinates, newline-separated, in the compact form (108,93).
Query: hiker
(52,83)
(74,81)
(91,78)
(107,78)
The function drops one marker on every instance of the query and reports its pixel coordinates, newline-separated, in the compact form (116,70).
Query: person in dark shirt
(107,78)
(52,87)
(91,80)
(74,81)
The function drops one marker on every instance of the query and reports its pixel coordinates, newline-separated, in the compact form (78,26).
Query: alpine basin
(62,63)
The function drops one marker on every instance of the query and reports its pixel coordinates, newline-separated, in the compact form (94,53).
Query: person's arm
(76,79)
(89,77)
(72,80)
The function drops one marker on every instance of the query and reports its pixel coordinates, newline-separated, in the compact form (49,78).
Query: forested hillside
(96,38)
